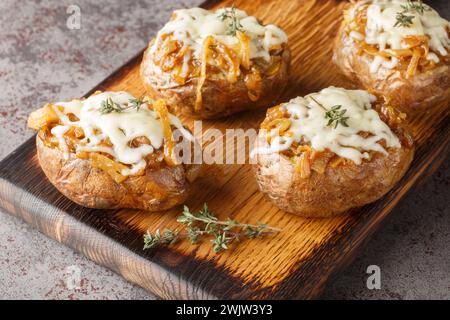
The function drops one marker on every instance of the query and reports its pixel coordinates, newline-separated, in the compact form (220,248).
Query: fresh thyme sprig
(335,115)
(109,105)
(234,24)
(404,20)
(167,237)
(136,103)
(417,6)
(205,223)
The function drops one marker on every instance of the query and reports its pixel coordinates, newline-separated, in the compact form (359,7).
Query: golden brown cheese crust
(418,93)
(220,97)
(158,189)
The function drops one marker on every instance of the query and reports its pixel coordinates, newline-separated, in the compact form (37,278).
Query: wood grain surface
(294,264)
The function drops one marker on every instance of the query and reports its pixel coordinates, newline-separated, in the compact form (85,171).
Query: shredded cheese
(223,43)
(380,17)
(118,128)
(192,26)
(308,124)
(161,108)
(201,81)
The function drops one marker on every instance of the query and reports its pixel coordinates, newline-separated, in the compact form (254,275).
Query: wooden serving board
(296,263)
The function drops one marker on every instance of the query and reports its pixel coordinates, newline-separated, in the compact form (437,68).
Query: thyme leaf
(109,105)
(167,237)
(136,103)
(403,20)
(417,6)
(234,25)
(335,117)
(204,223)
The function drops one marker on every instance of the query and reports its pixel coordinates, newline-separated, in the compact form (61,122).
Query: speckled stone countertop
(42,60)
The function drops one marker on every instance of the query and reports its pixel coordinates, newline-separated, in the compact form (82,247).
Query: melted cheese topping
(309,125)
(192,26)
(381,30)
(120,128)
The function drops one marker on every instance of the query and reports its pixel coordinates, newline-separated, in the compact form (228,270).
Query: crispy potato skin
(336,190)
(220,97)
(90,187)
(416,94)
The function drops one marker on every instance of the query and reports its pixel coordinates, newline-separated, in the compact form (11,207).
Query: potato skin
(220,97)
(336,190)
(93,188)
(416,94)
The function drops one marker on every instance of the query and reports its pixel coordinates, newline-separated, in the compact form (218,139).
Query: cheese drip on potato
(192,26)
(118,128)
(384,30)
(308,124)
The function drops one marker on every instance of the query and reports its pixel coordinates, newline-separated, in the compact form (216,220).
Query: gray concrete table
(42,60)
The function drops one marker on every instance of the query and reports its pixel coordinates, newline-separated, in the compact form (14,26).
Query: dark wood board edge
(64,228)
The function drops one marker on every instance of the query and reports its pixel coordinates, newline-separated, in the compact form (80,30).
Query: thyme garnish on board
(205,224)
(234,24)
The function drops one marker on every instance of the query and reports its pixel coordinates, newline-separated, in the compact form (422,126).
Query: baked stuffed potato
(213,64)
(113,151)
(327,152)
(397,48)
